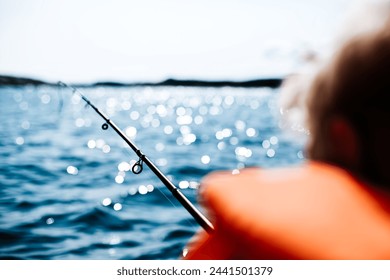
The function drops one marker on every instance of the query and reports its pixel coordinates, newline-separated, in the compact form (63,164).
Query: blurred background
(66,188)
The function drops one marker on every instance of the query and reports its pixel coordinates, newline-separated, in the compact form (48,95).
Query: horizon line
(9,80)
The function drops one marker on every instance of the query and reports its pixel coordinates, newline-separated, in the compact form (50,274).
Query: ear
(344,142)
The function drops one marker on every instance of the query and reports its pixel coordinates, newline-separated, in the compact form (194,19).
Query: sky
(151,40)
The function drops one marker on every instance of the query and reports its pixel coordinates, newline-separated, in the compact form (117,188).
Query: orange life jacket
(315,211)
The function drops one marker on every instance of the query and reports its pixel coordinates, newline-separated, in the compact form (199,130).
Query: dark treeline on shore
(271,83)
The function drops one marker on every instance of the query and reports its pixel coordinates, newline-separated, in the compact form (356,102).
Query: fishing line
(170,201)
(143,159)
(190,223)
(60,98)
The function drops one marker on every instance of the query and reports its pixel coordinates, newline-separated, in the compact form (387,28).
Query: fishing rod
(142,158)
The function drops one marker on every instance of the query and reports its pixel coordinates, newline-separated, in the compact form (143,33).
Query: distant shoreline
(271,83)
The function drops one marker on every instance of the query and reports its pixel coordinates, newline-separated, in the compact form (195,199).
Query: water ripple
(56,168)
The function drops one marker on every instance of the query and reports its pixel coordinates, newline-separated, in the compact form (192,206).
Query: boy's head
(346,99)
(348,107)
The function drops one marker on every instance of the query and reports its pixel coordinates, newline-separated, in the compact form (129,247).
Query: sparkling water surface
(66,186)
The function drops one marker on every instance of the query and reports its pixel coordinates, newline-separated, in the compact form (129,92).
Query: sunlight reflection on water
(67,173)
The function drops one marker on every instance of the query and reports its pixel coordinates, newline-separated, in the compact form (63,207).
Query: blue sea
(66,186)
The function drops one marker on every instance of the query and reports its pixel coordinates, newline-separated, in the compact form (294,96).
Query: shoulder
(311,211)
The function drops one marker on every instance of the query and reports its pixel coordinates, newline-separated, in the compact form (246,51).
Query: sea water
(66,186)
